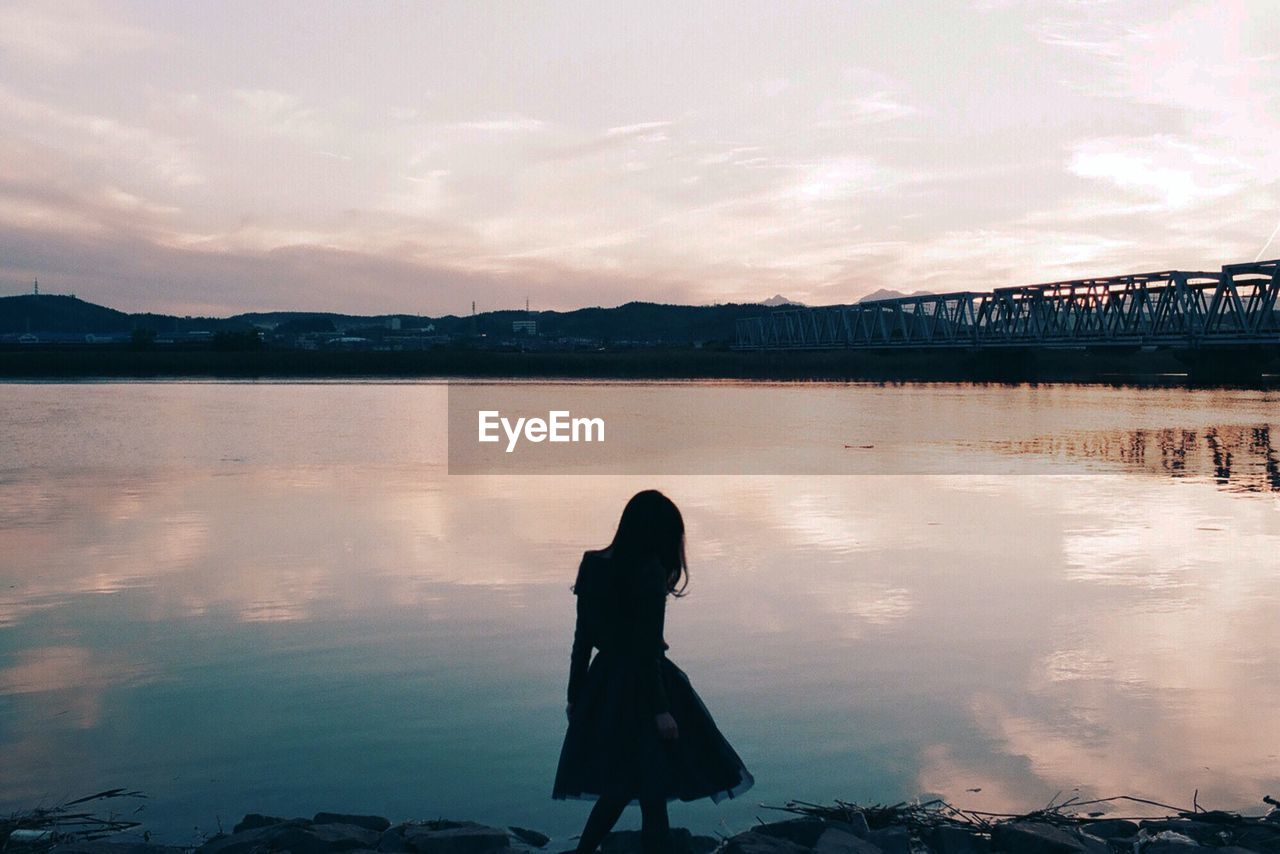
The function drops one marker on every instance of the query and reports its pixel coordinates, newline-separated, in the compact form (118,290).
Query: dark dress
(612,747)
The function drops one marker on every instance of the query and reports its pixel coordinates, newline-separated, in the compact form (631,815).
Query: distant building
(526,327)
(393,323)
(350,342)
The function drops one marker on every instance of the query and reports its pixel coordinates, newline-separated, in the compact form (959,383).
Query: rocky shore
(933,828)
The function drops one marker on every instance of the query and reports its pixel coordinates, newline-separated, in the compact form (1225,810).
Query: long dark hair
(651,526)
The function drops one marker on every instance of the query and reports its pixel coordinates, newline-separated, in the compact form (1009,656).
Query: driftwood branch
(928,815)
(41,828)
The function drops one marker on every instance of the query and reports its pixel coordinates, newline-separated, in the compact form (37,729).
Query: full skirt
(612,748)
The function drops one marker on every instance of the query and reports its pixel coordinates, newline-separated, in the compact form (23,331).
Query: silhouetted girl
(637,731)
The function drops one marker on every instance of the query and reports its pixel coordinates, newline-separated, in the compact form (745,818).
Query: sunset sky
(225,157)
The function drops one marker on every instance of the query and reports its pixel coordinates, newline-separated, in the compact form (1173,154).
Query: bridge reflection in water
(1236,458)
(1234,308)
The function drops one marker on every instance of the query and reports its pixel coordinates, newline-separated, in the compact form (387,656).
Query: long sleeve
(647,644)
(583,638)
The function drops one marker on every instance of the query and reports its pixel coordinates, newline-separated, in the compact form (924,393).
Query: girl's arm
(583,641)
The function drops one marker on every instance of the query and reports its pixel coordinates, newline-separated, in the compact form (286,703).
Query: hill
(635,322)
(65,314)
(56,313)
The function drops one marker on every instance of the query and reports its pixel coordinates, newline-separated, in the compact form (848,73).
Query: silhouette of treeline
(634,321)
(639,322)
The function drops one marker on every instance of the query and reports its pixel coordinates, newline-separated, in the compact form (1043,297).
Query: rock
(891,840)
(857,825)
(255,820)
(392,841)
(348,837)
(682,842)
(375,823)
(1263,837)
(699,844)
(295,835)
(1111,828)
(804,832)
(102,846)
(323,838)
(1029,837)
(455,837)
(298,840)
(1194,831)
(243,842)
(1217,817)
(838,840)
(753,842)
(1174,837)
(529,837)
(957,840)
(1168,845)
(621,842)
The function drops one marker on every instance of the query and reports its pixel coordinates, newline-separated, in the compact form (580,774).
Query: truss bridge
(1236,307)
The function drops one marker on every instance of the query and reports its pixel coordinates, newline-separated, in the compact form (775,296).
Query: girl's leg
(655,827)
(604,815)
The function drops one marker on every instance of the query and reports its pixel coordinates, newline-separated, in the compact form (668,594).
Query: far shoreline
(1159,367)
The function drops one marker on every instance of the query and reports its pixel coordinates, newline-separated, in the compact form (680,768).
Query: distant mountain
(779,299)
(887,293)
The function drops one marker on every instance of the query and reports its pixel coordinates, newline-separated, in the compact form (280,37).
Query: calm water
(271,597)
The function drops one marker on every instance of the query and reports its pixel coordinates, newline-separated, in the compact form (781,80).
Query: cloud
(643,129)
(98,142)
(840,178)
(135,272)
(1056,138)
(1212,64)
(1168,172)
(874,108)
(66,33)
(279,113)
(511,124)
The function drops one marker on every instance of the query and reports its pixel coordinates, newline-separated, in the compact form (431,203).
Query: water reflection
(248,624)
(1241,458)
